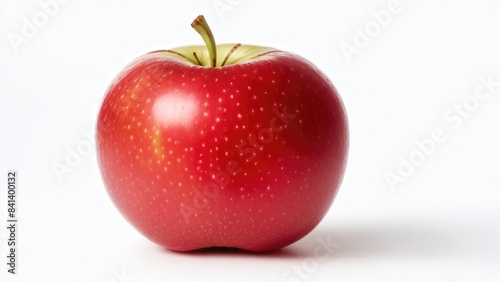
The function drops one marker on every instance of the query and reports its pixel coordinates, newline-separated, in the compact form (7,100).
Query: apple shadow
(400,239)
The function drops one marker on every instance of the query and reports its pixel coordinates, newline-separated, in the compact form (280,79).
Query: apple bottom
(253,219)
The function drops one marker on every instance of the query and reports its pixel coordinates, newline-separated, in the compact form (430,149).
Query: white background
(441,224)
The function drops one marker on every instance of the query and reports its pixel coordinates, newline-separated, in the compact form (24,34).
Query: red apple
(243,150)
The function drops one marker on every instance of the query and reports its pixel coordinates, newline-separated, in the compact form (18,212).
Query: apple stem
(201,26)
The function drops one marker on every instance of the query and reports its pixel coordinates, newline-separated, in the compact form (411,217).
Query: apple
(231,145)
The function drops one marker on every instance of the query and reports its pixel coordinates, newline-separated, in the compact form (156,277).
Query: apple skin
(249,155)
